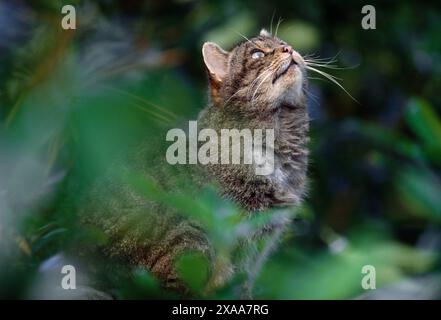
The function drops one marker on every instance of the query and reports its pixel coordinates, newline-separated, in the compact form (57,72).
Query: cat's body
(257,85)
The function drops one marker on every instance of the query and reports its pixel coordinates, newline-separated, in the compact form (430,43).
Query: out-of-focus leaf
(194,270)
(426,124)
(420,192)
(389,140)
(338,276)
(48,238)
(145,280)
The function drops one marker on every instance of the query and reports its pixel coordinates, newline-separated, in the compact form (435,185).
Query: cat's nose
(287,48)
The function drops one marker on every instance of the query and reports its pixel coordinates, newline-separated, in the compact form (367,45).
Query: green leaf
(389,140)
(426,124)
(420,192)
(193,268)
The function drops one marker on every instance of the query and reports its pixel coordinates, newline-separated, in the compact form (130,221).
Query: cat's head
(259,74)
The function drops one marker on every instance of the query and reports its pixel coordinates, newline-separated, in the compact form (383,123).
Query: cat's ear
(265,33)
(216,61)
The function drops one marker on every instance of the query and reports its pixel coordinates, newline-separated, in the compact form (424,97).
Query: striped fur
(251,93)
(253,96)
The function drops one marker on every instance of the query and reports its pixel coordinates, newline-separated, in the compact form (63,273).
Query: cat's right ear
(216,61)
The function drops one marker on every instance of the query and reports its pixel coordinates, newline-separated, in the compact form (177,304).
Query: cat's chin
(288,89)
(292,95)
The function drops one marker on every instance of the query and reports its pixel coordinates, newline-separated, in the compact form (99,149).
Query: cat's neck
(286,184)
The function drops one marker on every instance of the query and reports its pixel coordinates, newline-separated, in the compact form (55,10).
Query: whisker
(271,24)
(326,62)
(332,79)
(240,34)
(258,87)
(309,55)
(233,95)
(317,57)
(313,55)
(333,67)
(316,78)
(312,96)
(323,60)
(277,27)
(250,87)
(329,75)
(253,84)
(263,73)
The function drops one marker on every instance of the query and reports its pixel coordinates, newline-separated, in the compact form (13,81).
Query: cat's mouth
(283,69)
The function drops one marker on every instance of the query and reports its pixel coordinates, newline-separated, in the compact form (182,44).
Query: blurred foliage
(71,102)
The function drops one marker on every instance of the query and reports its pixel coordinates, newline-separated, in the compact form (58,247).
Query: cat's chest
(290,153)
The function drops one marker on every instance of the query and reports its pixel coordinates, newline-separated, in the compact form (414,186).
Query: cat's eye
(257,55)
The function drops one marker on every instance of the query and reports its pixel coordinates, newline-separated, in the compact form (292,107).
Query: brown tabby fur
(245,92)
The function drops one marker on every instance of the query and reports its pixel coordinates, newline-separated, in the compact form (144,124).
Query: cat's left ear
(216,61)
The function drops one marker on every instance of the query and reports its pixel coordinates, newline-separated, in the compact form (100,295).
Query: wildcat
(258,84)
